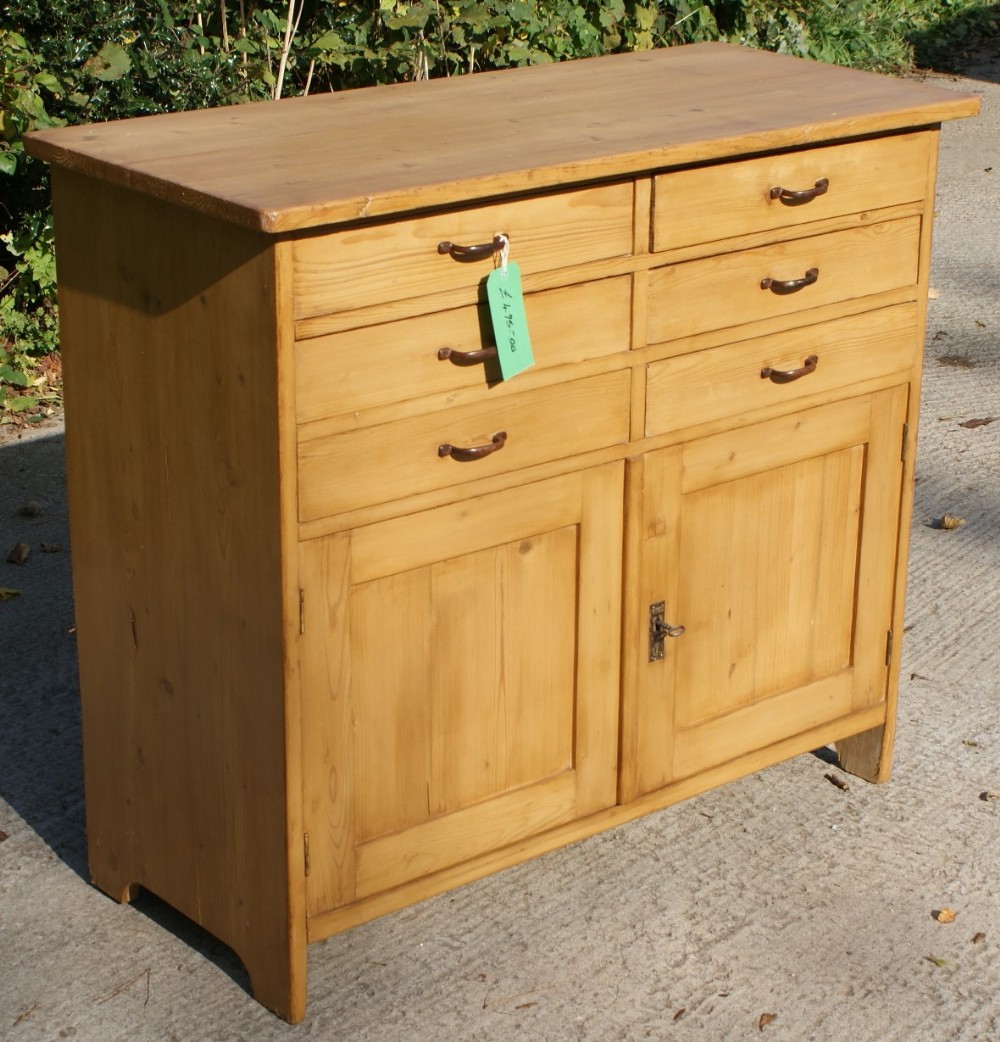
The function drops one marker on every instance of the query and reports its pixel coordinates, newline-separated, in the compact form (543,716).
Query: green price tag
(510,326)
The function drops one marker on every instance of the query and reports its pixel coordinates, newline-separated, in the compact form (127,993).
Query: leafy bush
(73,61)
(28,324)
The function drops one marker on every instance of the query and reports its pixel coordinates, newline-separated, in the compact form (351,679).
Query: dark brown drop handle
(803,195)
(786,376)
(449,354)
(790,285)
(495,444)
(472,253)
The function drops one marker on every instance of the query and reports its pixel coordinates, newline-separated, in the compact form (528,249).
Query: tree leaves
(111,62)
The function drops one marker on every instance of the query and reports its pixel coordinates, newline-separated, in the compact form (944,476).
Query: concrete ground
(779,894)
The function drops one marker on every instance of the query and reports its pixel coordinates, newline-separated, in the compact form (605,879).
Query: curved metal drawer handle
(472,253)
(449,354)
(786,376)
(804,195)
(472,452)
(790,285)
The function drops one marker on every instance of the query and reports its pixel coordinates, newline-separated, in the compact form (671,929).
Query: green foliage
(77,61)
(859,33)
(23,82)
(886,35)
(943,36)
(28,325)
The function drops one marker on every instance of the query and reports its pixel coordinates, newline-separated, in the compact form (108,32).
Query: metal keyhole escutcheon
(659,630)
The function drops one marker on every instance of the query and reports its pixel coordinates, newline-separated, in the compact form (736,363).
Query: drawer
(691,389)
(716,202)
(728,289)
(366,265)
(398,361)
(393,460)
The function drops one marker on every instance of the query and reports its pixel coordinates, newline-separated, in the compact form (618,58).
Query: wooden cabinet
(359,620)
(460,681)
(774,547)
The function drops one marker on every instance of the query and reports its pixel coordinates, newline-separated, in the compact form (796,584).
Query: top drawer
(366,265)
(717,202)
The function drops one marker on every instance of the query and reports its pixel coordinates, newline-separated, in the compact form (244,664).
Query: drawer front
(703,386)
(727,290)
(361,468)
(367,265)
(399,361)
(716,202)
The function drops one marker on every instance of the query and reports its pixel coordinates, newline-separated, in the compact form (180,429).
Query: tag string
(504,252)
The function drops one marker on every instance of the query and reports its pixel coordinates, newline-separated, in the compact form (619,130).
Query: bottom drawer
(691,389)
(378,464)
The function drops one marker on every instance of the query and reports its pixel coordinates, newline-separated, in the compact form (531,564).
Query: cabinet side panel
(169,327)
(869,754)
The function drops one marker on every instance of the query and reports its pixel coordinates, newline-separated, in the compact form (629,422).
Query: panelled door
(460,678)
(773,550)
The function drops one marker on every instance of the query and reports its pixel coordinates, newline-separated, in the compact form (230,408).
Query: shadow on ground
(41,762)
(41,771)
(966,41)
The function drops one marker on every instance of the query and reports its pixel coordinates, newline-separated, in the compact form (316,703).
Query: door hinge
(904,451)
(305,851)
(888,647)
(302,611)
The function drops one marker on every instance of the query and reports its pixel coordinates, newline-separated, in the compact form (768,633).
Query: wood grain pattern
(356,267)
(702,205)
(362,369)
(652,575)
(177,568)
(869,753)
(536,281)
(482,689)
(327,750)
(399,459)
(433,148)
(691,389)
(725,290)
(768,544)
(877,561)
(776,555)
(443,842)
(336,920)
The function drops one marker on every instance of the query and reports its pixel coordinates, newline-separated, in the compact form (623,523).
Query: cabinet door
(774,546)
(460,676)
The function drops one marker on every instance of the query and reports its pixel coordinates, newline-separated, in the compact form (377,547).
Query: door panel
(498,710)
(773,546)
(460,681)
(771,562)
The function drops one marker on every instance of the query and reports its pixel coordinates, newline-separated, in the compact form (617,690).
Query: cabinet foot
(868,754)
(121,889)
(281,988)
(272,952)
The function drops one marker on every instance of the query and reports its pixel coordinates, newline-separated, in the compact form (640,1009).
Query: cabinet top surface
(334,158)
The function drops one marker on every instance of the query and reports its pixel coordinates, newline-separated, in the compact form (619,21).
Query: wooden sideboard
(358,620)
